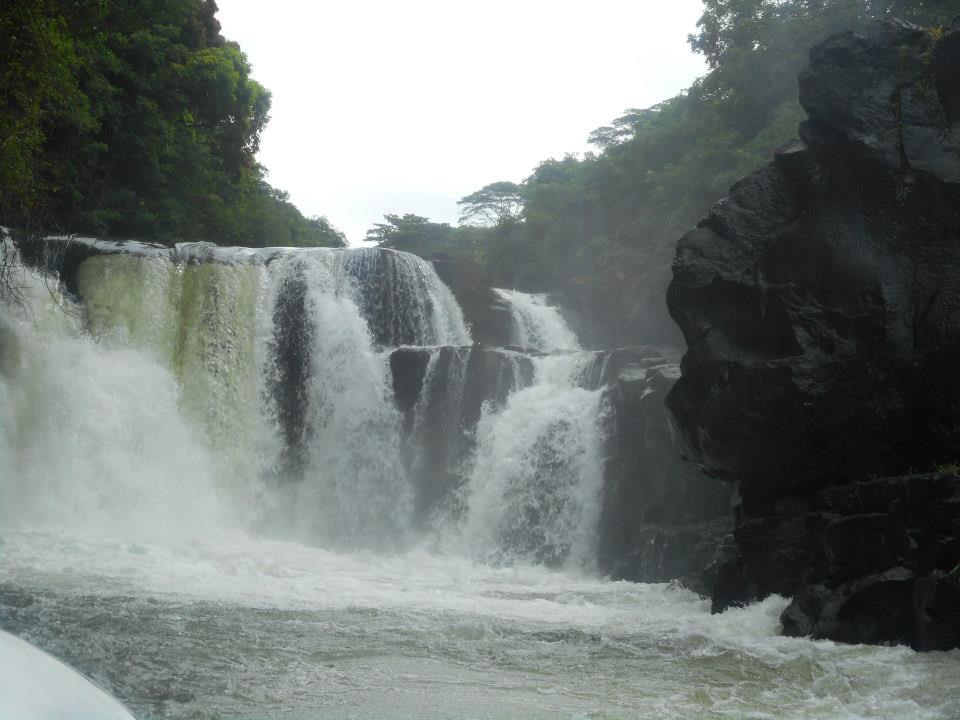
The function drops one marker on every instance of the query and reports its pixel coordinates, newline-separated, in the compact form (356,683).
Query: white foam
(535,323)
(93,439)
(534,491)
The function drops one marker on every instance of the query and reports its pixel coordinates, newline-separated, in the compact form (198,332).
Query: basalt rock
(486,313)
(661,519)
(883,567)
(820,303)
(441,392)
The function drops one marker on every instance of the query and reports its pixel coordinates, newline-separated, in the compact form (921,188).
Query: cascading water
(459,383)
(534,492)
(93,440)
(270,362)
(536,324)
(161,429)
(353,491)
(402,298)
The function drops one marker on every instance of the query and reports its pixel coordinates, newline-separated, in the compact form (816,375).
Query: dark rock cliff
(820,303)
(662,519)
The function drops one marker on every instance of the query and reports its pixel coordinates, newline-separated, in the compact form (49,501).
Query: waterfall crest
(403,300)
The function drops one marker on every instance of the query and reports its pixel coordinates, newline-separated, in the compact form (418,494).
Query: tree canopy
(493,204)
(136,117)
(615,214)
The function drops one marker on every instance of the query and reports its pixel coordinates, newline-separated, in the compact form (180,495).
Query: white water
(404,299)
(93,440)
(535,324)
(534,493)
(354,493)
(242,628)
(136,449)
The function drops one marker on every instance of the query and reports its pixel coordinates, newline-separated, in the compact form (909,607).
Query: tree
(135,117)
(498,203)
(39,91)
(412,233)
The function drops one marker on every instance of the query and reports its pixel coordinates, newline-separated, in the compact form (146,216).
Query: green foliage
(136,117)
(948,468)
(415,234)
(616,214)
(494,204)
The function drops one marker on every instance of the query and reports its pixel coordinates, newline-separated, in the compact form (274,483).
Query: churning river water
(203,508)
(240,628)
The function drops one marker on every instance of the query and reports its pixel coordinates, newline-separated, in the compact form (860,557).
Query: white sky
(407,106)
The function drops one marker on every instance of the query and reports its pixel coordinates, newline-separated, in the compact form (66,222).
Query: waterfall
(201,322)
(228,388)
(401,297)
(91,436)
(353,491)
(205,387)
(535,489)
(535,324)
(458,384)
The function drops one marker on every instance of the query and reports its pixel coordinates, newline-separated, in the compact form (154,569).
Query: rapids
(209,504)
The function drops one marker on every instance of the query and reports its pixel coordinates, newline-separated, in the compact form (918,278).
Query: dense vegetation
(596,226)
(136,117)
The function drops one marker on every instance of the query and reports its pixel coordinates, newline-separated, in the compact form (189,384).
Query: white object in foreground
(37,686)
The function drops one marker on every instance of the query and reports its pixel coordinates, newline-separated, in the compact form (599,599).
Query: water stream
(211,504)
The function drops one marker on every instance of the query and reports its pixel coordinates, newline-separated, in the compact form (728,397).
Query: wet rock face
(821,300)
(820,303)
(662,519)
(441,393)
(881,568)
(488,317)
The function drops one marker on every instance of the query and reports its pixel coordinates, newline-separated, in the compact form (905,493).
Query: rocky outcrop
(486,313)
(662,519)
(882,566)
(820,303)
(441,392)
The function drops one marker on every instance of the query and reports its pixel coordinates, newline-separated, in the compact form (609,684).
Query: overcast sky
(407,106)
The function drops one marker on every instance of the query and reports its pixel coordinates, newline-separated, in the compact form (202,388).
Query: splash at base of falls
(251,629)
